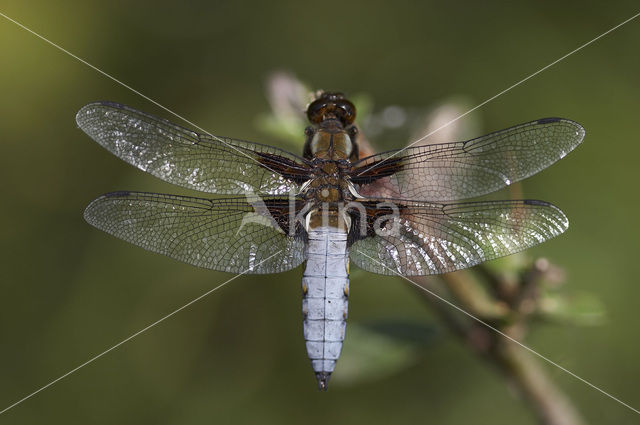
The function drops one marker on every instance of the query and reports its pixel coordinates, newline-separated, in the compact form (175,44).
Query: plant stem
(522,371)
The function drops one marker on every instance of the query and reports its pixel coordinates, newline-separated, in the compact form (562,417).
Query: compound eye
(314,116)
(347,112)
(316,110)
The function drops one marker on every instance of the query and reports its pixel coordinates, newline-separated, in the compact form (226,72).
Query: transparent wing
(228,235)
(183,157)
(461,170)
(429,239)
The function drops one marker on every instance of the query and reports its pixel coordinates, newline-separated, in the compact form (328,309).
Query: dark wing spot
(536,202)
(117,194)
(548,120)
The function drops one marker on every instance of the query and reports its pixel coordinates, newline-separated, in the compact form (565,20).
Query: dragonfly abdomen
(325,287)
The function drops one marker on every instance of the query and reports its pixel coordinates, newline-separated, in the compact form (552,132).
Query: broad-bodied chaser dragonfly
(390,213)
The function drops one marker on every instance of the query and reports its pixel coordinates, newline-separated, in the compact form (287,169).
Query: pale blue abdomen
(325,285)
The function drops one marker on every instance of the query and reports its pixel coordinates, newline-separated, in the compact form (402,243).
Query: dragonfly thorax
(328,144)
(328,183)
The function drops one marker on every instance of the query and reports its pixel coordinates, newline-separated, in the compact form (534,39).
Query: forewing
(461,170)
(186,158)
(427,239)
(229,235)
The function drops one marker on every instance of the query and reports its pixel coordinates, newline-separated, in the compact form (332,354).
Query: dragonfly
(393,213)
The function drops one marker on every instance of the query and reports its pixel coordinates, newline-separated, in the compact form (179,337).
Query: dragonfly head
(331,105)
(332,134)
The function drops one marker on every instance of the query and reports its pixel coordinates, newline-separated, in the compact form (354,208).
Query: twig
(523,372)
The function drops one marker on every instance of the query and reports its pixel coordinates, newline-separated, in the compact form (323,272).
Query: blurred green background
(69,292)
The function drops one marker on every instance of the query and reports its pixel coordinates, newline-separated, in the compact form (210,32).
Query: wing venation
(427,239)
(229,235)
(461,170)
(189,159)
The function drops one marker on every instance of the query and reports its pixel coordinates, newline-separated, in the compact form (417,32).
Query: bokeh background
(68,291)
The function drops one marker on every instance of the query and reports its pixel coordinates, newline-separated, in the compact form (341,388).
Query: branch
(509,311)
